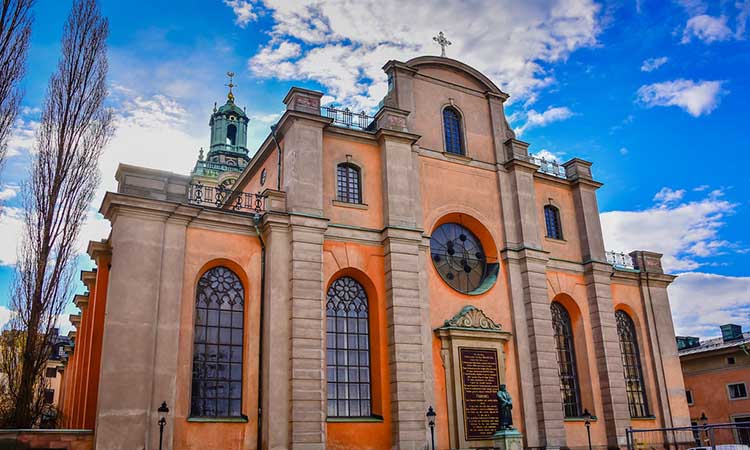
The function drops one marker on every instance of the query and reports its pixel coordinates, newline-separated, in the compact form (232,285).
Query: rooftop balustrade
(620,260)
(221,197)
(347,119)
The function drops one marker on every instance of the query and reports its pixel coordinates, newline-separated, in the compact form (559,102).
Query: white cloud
(548,155)
(701,188)
(742,17)
(668,195)
(22,137)
(685,232)
(11,227)
(652,64)
(624,151)
(243,11)
(701,302)
(5,315)
(343,44)
(8,192)
(536,119)
(707,29)
(694,7)
(695,97)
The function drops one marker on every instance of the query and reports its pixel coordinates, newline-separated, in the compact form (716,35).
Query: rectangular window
(51,372)
(737,391)
(689,396)
(730,360)
(49,396)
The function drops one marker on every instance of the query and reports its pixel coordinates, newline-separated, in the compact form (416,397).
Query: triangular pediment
(472,318)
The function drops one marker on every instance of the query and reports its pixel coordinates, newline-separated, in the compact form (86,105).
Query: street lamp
(162,421)
(703,420)
(431,422)
(587,415)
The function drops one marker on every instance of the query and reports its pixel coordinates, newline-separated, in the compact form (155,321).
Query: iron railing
(221,197)
(347,118)
(548,166)
(725,436)
(619,259)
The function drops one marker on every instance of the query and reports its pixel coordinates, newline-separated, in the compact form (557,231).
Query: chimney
(685,342)
(731,332)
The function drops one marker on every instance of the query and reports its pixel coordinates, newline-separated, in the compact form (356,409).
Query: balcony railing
(218,197)
(620,260)
(347,118)
(548,166)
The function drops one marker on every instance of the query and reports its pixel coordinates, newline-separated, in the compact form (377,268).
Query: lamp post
(431,422)
(703,420)
(587,415)
(162,421)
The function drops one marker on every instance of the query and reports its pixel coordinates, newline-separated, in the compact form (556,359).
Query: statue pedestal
(508,440)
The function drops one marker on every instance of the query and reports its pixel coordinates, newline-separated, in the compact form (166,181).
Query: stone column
(83,338)
(408,355)
(597,274)
(667,369)
(101,254)
(302,132)
(532,322)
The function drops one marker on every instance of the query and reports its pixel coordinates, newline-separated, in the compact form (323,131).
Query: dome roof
(230,107)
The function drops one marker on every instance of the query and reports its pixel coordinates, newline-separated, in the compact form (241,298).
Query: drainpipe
(256,220)
(278,154)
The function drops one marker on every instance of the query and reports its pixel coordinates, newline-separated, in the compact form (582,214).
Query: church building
(369,282)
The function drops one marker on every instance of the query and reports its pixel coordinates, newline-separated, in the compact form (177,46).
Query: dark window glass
(452,129)
(348,183)
(631,365)
(689,397)
(458,257)
(348,350)
(49,396)
(231,134)
(51,372)
(566,360)
(217,348)
(737,390)
(552,219)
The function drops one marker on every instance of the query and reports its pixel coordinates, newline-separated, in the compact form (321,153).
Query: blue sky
(653,92)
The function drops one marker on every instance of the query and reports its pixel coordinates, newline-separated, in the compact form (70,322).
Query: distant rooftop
(717,343)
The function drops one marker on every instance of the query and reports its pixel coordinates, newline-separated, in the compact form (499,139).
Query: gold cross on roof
(230,95)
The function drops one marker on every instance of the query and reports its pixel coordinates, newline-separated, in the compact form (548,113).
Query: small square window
(49,396)
(730,360)
(51,372)
(737,391)
(689,396)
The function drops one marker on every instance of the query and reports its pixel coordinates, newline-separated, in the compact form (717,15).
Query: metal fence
(347,118)
(219,197)
(619,259)
(726,436)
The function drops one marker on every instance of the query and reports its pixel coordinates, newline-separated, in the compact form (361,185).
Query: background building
(717,378)
(360,270)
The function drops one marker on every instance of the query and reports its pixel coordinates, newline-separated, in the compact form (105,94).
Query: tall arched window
(217,349)
(348,183)
(452,129)
(348,350)
(231,134)
(631,365)
(566,360)
(552,219)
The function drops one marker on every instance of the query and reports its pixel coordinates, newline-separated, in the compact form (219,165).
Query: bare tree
(15,30)
(75,126)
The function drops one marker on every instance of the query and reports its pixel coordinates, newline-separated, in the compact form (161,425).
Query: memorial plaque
(480,383)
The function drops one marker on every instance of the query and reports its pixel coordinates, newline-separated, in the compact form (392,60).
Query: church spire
(230,95)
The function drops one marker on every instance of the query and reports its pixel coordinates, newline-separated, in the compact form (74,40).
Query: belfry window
(552,220)
(348,350)
(566,360)
(348,187)
(453,132)
(217,345)
(631,365)
(231,134)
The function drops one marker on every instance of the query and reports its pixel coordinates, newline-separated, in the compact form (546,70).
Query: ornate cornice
(471,318)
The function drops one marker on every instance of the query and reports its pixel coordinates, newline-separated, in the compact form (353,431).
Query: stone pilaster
(597,275)
(667,372)
(532,321)
(307,334)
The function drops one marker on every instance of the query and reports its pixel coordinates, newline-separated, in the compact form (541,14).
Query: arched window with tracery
(552,220)
(631,365)
(566,360)
(348,350)
(348,180)
(453,132)
(217,345)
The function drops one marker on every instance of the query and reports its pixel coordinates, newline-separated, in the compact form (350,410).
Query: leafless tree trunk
(15,29)
(74,128)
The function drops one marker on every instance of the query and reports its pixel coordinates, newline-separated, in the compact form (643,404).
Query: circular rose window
(459,258)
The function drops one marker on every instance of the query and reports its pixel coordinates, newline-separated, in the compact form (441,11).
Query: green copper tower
(228,151)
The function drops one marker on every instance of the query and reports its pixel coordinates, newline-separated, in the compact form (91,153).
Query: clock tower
(228,154)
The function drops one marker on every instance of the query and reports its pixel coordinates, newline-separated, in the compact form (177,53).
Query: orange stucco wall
(569,247)
(241,254)
(707,378)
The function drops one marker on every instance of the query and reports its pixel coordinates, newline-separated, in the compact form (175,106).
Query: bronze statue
(504,406)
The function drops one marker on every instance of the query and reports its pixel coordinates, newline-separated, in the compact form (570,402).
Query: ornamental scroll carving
(472,317)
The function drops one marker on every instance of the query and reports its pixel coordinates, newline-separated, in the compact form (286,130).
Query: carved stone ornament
(473,318)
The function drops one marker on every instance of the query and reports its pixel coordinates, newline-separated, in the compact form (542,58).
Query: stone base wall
(47,439)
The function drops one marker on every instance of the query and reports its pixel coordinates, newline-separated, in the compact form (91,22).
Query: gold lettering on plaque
(480,383)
